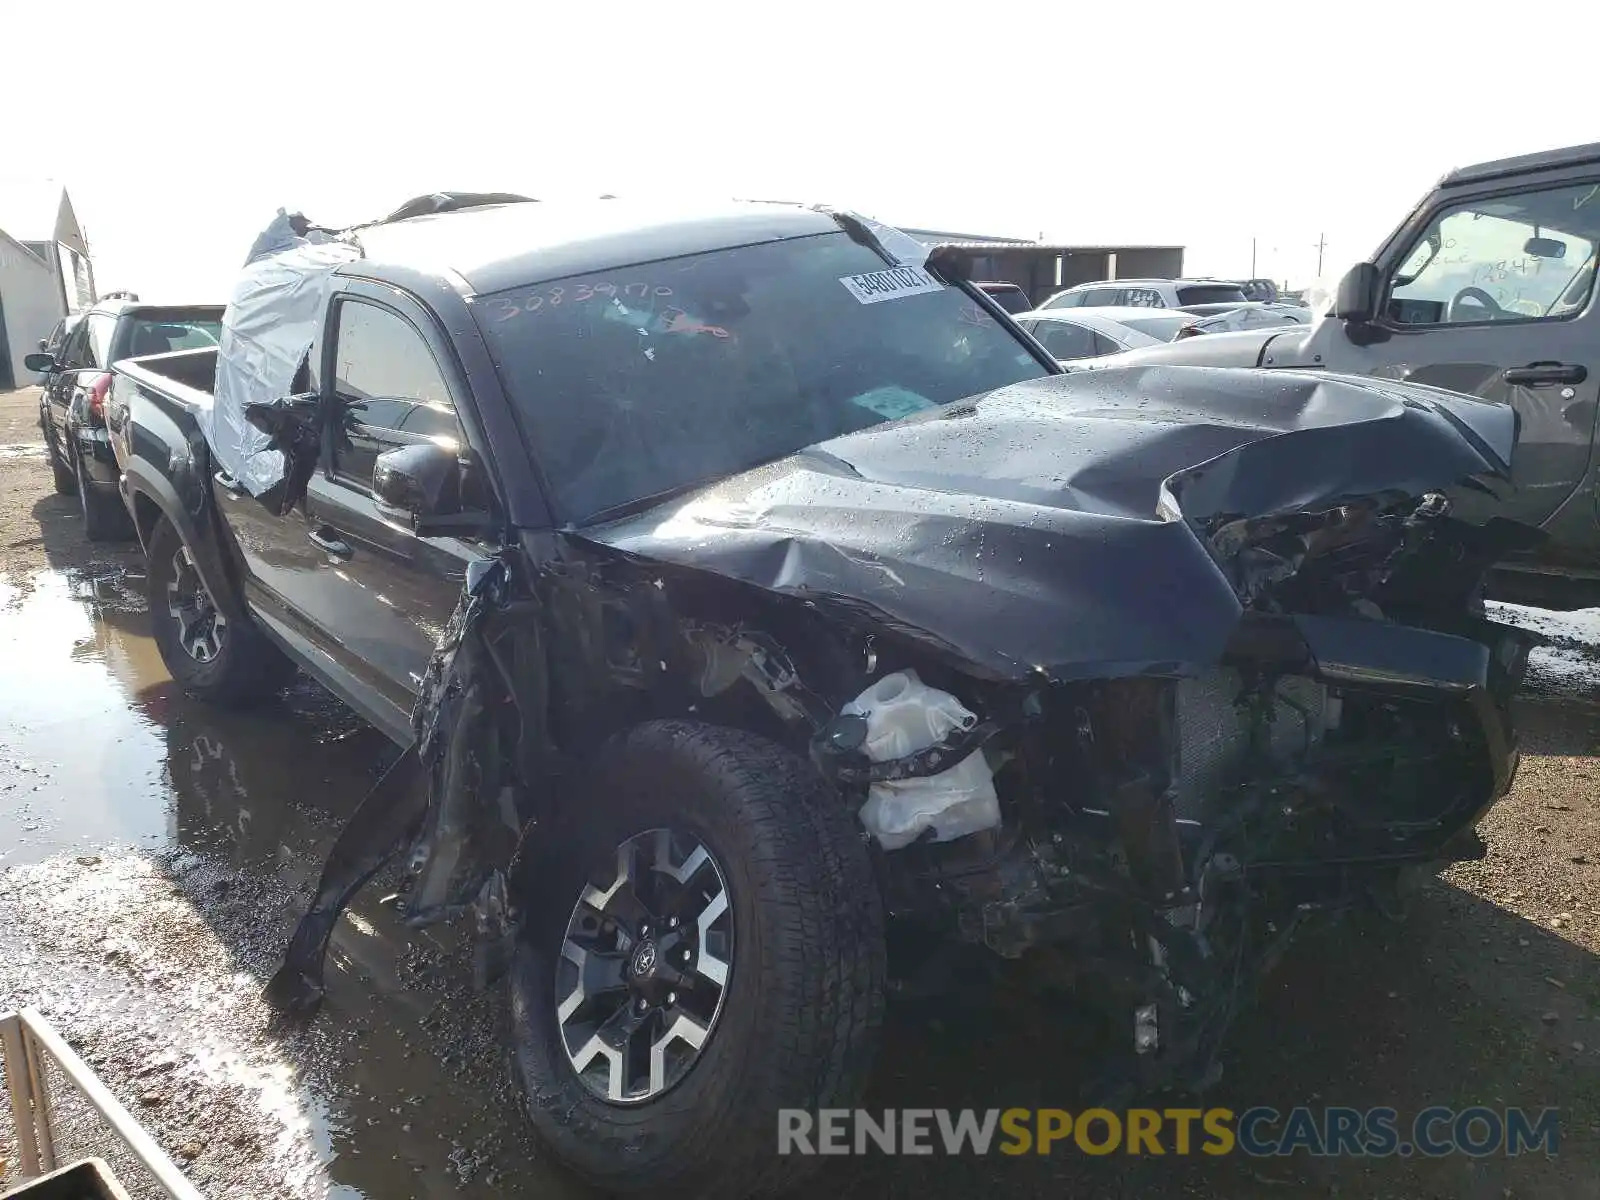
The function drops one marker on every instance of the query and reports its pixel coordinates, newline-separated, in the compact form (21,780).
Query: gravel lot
(154,855)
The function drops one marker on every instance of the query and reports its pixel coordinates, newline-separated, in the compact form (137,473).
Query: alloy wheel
(644,967)
(201,625)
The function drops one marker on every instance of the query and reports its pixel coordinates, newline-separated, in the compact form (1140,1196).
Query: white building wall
(30,295)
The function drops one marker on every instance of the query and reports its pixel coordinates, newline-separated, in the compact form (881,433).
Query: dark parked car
(76,379)
(1263,291)
(748,595)
(1008,296)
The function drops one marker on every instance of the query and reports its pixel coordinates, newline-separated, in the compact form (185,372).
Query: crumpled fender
(1025,533)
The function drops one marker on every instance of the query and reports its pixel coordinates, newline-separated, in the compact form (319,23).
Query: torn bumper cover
(441,797)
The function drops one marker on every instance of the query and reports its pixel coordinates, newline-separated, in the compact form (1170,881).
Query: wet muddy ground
(154,854)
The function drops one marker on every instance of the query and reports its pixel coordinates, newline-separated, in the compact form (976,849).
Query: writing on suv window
(1524,256)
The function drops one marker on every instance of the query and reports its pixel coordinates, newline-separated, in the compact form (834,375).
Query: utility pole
(1252,258)
(1322,244)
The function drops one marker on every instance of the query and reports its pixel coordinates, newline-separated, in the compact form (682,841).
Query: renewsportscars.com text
(1331,1131)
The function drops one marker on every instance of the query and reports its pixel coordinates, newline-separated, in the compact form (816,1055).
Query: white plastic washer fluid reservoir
(905,715)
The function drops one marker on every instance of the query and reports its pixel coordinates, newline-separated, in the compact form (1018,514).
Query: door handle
(326,538)
(1537,374)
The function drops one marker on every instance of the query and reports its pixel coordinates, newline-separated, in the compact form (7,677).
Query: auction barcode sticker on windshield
(891,284)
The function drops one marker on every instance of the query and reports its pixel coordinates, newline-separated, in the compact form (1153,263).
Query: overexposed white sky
(180,129)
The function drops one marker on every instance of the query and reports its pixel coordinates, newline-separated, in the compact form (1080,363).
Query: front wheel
(703,947)
(210,655)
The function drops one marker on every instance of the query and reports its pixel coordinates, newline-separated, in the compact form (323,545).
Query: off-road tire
(247,667)
(804,1002)
(105,518)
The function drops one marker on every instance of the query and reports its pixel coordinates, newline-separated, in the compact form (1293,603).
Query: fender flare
(192,513)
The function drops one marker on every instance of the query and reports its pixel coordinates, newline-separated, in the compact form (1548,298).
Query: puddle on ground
(158,851)
(20,451)
(81,743)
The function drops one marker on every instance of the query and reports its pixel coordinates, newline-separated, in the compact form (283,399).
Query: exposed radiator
(1214,734)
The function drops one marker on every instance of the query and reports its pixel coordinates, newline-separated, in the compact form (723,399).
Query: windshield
(159,335)
(1163,328)
(643,380)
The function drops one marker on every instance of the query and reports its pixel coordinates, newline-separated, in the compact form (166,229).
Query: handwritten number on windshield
(557,294)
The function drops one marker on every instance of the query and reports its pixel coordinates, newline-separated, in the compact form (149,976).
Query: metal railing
(29,1043)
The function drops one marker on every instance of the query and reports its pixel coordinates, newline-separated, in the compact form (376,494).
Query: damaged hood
(1055,527)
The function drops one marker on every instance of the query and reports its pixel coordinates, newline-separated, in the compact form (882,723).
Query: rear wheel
(66,479)
(703,947)
(218,658)
(105,517)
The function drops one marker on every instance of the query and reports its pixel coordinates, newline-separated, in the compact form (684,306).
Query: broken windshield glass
(645,379)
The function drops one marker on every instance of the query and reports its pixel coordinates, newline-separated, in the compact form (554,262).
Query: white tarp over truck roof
(273,314)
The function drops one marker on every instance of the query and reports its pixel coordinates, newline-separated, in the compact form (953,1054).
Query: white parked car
(1075,334)
(1149,293)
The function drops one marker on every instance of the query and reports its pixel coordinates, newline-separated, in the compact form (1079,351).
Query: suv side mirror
(1357,298)
(411,484)
(41,363)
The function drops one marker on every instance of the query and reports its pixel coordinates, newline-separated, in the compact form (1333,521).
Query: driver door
(384,594)
(1492,295)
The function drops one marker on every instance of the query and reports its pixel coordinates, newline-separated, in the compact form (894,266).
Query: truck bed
(153,418)
(184,375)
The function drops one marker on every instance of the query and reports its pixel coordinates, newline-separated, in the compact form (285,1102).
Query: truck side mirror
(411,484)
(41,363)
(1357,298)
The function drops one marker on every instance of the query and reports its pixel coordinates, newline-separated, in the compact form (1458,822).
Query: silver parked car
(1249,316)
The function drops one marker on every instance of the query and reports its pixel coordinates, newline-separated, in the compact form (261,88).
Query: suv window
(76,348)
(1528,256)
(1101,297)
(1212,293)
(391,387)
(1143,298)
(1065,339)
(647,379)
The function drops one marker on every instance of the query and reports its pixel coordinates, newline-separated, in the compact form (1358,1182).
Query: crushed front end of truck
(1201,657)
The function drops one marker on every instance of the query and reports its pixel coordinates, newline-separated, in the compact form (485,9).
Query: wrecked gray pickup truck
(751,595)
